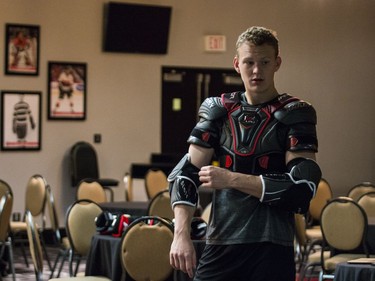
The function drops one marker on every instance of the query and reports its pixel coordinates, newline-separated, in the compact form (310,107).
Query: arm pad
(184,183)
(292,191)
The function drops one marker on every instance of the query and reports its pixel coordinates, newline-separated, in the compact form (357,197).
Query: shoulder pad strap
(231,100)
(296,112)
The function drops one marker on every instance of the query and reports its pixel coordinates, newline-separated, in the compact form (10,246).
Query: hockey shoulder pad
(296,112)
(292,191)
(207,131)
(184,183)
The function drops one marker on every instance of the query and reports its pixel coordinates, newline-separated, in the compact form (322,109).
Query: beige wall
(327,48)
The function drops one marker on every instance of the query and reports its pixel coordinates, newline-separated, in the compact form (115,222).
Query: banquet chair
(6,204)
(145,249)
(80,228)
(356,191)
(344,228)
(37,254)
(367,202)
(84,164)
(35,200)
(92,190)
(155,181)
(160,205)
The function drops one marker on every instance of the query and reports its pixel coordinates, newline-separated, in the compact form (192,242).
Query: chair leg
(46,253)
(11,260)
(62,263)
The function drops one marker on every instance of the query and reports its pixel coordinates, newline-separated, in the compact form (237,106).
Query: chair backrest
(5,188)
(80,225)
(36,197)
(344,225)
(367,202)
(160,205)
(356,191)
(35,245)
(155,181)
(83,162)
(6,204)
(322,196)
(92,190)
(145,249)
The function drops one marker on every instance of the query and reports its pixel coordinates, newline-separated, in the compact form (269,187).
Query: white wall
(328,59)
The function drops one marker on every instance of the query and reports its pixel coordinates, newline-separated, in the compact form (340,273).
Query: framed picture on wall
(20,120)
(22,49)
(67,90)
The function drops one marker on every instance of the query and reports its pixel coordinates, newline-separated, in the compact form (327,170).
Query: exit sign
(215,43)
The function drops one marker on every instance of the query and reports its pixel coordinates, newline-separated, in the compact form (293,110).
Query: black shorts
(246,262)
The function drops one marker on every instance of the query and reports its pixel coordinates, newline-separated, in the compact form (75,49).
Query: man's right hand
(182,254)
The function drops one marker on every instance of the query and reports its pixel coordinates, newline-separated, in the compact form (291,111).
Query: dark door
(183,90)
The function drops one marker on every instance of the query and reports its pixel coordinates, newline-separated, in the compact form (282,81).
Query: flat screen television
(136,28)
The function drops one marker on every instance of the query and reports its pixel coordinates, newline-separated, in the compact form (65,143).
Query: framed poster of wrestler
(67,90)
(20,120)
(22,49)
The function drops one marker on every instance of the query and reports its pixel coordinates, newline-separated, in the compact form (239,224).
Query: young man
(266,144)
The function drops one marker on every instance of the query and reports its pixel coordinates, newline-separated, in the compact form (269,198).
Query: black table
(354,272)
(104,258)
(133,208)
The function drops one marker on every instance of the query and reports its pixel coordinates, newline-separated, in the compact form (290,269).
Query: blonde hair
(258,36)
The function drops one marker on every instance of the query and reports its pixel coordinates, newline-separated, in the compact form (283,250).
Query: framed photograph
(67,91)
(20,120)
(22,49)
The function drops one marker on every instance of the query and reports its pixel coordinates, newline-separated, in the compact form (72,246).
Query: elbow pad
(184,183)
(292,191)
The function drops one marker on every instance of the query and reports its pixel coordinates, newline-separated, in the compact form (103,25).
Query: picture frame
(21,120)
(22,49)
(67,86)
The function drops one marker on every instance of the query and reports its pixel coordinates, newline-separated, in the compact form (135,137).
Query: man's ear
(278,63)
(236,64)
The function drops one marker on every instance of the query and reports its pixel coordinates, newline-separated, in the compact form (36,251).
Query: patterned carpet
(24,273)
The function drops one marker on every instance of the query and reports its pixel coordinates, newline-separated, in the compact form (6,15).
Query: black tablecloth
(104,258)
(354,272)
(133,208)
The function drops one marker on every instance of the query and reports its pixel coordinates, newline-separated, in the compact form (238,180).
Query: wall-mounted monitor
(136,28)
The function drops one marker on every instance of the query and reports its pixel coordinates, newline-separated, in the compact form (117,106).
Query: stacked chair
(35,200)
(37,254)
